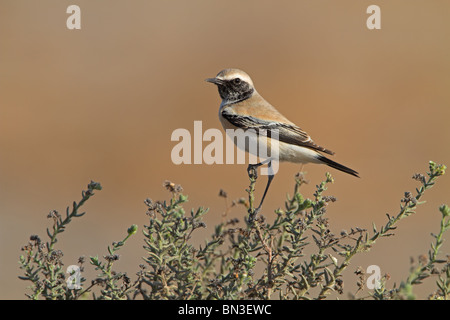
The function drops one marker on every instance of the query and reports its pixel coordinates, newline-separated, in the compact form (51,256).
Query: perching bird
(244,108)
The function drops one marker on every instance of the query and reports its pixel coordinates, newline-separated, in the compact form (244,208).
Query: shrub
(295,256)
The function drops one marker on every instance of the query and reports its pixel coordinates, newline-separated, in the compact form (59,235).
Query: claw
(252,171)
(252,215)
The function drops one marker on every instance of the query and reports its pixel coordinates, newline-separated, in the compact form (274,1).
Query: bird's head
(234,85)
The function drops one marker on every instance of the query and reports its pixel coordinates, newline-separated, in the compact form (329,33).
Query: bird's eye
(237,80)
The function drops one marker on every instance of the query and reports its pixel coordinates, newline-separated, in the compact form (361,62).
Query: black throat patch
(232,91)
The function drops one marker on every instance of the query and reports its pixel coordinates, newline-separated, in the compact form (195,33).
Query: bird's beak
(216,81)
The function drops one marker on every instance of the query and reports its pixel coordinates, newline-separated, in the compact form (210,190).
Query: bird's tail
(337,166)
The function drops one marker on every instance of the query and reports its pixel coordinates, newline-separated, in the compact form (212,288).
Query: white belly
(264,148)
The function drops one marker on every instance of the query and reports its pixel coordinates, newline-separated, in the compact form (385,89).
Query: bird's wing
(287,133)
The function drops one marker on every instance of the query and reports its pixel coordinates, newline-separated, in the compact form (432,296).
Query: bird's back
(258,107)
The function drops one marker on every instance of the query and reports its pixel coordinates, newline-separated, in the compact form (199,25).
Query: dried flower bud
(53,215)
(222,193)
(172,187)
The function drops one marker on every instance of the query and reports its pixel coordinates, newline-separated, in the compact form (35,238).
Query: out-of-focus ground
(101,103)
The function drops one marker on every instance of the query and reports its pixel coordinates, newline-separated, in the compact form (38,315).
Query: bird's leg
(269,180)
(252,173)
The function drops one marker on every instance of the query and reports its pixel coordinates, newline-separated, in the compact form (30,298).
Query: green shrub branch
(294,256)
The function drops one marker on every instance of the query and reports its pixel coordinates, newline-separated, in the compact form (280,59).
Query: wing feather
(288,133)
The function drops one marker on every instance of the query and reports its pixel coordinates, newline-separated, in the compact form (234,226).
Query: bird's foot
(252,171)
(252,214)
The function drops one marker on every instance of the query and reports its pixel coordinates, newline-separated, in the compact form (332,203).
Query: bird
(242,107)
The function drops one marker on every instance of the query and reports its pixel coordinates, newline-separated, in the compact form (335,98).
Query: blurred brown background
(101,103)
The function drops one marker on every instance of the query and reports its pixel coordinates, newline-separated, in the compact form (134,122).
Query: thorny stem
(364,244)
(112,291)
(48,263)
(60,224)
(270,257)
(254,223)
(422,271)
(253,175)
